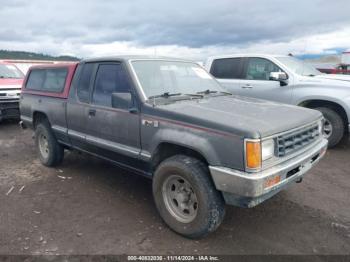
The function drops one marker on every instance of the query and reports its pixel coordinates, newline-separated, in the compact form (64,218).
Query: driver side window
(110,78)
(260,69)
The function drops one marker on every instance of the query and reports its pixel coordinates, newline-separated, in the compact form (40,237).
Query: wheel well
(166,150)
(39,117)
(324,103)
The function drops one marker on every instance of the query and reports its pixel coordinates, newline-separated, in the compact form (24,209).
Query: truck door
(256,82)
(112,132)
(228,72)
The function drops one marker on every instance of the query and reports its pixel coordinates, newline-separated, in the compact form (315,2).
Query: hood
(338,82)
(335,77)
(10,83)
(248,117)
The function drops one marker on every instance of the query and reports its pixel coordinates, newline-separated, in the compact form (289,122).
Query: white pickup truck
(287,80)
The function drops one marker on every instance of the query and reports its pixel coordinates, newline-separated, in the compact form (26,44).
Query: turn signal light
(272,181)
(253,154)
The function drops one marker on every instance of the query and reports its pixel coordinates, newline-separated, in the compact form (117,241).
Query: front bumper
(250,189)
(9,110)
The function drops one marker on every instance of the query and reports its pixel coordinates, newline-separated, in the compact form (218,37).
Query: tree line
(6,54)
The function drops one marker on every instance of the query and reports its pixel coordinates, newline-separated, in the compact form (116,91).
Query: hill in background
(5,54)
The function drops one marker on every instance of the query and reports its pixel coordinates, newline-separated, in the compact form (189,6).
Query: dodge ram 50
(171,121)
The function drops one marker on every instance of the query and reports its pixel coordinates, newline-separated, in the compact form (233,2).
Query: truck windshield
(158,77)
(10,71)
(299,67)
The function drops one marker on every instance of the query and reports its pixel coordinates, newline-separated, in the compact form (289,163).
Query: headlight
(257,151)
(320,126)
(267,149)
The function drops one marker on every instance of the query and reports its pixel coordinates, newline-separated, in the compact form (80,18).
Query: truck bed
(54,104)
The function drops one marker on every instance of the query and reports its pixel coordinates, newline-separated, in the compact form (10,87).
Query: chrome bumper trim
(252,185)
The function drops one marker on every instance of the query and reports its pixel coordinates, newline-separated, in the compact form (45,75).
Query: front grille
(4,101)
(13,94)
(9,105)
(293,141)
(12,112)
(10,89)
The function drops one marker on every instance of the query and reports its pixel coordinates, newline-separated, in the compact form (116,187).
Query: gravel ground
(88,206)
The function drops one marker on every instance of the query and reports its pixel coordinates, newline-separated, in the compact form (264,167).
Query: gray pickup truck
(169,120)
(288,80)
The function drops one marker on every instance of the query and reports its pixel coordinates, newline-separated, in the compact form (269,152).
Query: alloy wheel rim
(327,129)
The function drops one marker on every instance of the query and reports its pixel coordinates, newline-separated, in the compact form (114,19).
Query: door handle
(92,112)
(247,86)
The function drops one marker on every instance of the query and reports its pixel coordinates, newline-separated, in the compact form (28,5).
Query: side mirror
(122,100)
(278,76)
(282,77)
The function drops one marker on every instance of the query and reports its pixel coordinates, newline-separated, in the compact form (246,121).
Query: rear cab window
(83,89)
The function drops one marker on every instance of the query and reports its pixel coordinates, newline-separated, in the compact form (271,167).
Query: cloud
(194,28)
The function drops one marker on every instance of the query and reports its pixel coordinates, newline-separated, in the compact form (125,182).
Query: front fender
(218,149)
(344,102)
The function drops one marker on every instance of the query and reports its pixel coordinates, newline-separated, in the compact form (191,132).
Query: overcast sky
(192,29)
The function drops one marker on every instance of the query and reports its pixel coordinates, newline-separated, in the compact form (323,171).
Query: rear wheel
(333,126)
(186,197)
(49,150)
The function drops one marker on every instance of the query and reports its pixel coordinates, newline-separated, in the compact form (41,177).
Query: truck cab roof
(246,55)
(132,57)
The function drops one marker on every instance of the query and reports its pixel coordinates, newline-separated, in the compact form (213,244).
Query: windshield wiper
(208,91)
(195,95)
(9,77)
(165,95)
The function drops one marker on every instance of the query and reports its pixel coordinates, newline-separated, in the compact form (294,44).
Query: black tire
(211,205)
(55,151)
(337,124)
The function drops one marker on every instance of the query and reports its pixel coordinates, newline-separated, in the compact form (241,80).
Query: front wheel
(333,126)
(186,197)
